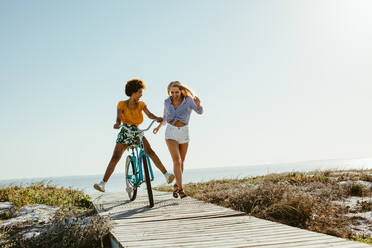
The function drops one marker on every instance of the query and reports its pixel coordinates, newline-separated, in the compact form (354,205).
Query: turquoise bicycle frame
(136,159)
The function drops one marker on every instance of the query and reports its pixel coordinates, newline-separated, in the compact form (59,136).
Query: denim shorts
(179,134)
(128,138)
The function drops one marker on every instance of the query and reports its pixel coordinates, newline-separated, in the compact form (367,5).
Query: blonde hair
(185,92)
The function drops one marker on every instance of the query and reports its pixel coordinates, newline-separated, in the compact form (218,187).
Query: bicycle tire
(148,181)
(130,172)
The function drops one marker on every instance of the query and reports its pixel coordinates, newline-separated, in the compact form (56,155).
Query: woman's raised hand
(116,125)
(197,101)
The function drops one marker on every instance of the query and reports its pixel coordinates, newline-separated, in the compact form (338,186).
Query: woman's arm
(164,118)
(156,129)
(195,105)
(118,119)
(151,115)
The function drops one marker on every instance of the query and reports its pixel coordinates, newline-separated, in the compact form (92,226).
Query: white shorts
(179,134)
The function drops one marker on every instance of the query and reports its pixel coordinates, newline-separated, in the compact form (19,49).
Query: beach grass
(314,200)
(76,223)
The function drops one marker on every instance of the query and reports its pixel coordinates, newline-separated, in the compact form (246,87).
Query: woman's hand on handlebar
(156,130)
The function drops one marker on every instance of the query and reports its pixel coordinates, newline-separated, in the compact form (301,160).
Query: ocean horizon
(117,183)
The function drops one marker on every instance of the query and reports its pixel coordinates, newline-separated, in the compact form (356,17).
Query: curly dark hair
(134,85)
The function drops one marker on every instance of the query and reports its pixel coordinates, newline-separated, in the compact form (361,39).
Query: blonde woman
(177,111)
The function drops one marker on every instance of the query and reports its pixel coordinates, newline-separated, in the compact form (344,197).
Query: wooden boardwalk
(193,223)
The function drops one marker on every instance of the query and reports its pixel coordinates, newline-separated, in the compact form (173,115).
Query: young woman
(177,111)
(129,113)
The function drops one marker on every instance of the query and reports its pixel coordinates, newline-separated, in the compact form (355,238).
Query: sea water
(117,182)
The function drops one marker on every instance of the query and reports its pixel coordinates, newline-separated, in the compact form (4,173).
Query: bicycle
(135,164)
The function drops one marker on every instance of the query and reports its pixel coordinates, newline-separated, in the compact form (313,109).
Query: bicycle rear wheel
(130,178)
(148,181)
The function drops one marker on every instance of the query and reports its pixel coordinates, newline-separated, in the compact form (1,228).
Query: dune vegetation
(75,222)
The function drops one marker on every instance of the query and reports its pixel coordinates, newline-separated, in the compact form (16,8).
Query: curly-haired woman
(129,113)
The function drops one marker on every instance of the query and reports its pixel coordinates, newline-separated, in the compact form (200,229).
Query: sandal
(175,191)
(182,193)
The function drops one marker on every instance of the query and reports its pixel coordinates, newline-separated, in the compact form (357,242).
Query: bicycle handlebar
(139,130)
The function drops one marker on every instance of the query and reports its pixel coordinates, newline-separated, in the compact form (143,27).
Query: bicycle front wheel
(148,180)
(130,178)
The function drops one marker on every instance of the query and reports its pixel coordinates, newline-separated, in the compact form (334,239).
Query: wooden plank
(211,232)
(214,240)
(320,244)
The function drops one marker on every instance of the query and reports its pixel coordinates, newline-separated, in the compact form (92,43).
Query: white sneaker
(169,177)
(100,186)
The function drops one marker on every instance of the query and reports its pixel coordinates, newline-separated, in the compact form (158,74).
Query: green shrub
(357,189)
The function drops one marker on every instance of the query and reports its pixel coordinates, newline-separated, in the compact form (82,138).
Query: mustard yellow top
(131,116)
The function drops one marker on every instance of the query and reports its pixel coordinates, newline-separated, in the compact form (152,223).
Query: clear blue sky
(280,80)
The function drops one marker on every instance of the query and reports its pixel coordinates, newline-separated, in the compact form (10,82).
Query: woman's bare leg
(173,148)
(118,152)
(183,150)
(153,156)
